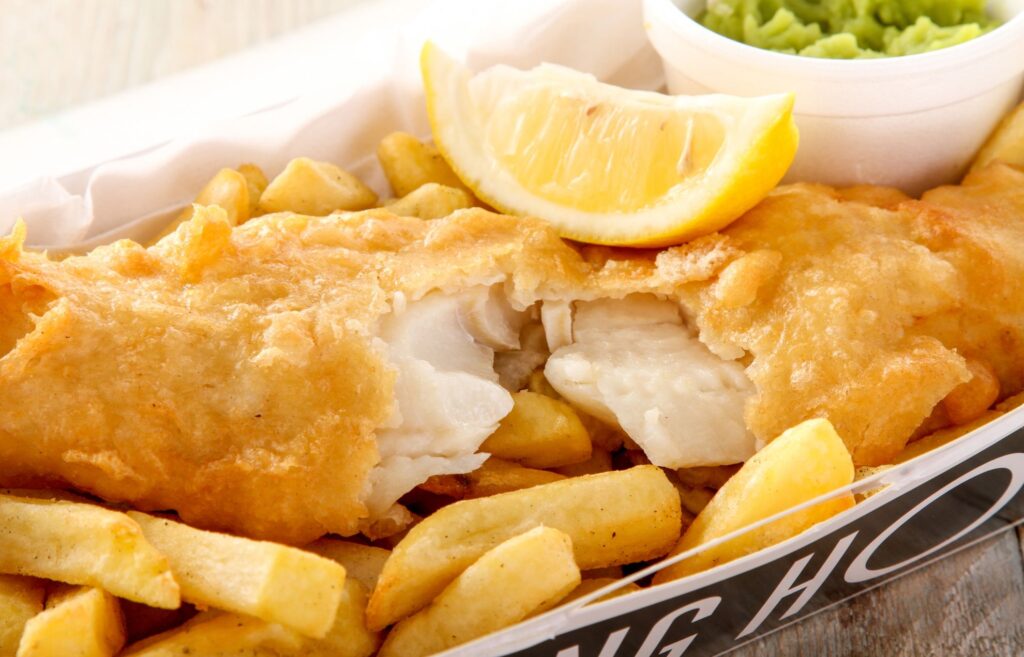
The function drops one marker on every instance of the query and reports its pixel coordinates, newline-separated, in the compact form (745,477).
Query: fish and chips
(305,415)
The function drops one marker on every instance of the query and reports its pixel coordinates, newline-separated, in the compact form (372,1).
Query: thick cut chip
(83,544)
(409,164)
(229,190)
(232,635)
(525,574)
(612,518)
(21,598)
(600,461)
(1006,144)
(223,635)
(431,201)
(274,582)
(864,472)
(362,563)
(78,621)
(803,463)
(493,477)
(256,181)
(707,477)
(315,188)
(540,432)
(349,636)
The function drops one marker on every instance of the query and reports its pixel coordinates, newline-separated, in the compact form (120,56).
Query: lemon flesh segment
(601,163)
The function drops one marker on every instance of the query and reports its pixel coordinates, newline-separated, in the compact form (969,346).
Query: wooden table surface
(58,53)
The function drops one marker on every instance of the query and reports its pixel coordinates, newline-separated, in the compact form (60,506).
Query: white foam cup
(911,122)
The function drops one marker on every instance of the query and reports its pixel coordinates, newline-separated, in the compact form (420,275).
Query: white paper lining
(377,90)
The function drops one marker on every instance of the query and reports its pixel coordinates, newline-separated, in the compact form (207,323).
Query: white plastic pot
(911,122)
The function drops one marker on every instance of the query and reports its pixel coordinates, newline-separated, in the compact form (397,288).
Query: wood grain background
(59,53)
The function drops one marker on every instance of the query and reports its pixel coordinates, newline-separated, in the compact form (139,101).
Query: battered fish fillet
(236,375)
(252,378)
(844,294)
(979,228)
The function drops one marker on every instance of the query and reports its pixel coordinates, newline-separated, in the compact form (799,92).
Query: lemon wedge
(603,164)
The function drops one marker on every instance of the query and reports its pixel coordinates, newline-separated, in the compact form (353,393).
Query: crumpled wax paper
(370,93)
(373,90)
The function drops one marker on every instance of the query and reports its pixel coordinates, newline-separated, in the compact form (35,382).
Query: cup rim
(1003,37)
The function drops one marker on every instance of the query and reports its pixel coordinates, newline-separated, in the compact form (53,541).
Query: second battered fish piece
(979,228)
(824,304)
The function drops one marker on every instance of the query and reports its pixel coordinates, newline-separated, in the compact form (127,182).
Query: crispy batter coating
(875,302)
(829,329)
(200,375)
(233,374)
(979,228)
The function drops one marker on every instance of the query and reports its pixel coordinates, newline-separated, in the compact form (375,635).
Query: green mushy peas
(848,29)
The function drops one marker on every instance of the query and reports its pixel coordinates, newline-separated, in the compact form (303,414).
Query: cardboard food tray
(928,508)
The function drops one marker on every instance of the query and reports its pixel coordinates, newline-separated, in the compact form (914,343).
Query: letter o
(1014,463)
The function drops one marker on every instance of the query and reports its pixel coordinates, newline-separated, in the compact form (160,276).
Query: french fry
(538,383)
(588,586)
(523,575)
(362,563)
(233,635)
(229,189)
(599,461)
(601,435)
(409,164)
(315,188)
(84,544)
(711,476)
(608,572)
(396,520)
(804,462)
(493,477)
(81,621)
(348,636)
(256,181)
(276,583)
(221,634)
(496,476)
(21,598)
(1005,144)
(431,201)
(612,518)
(540,432)
(694,499)
(863,472)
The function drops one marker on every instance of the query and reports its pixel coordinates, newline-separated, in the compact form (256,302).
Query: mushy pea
(848,29)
